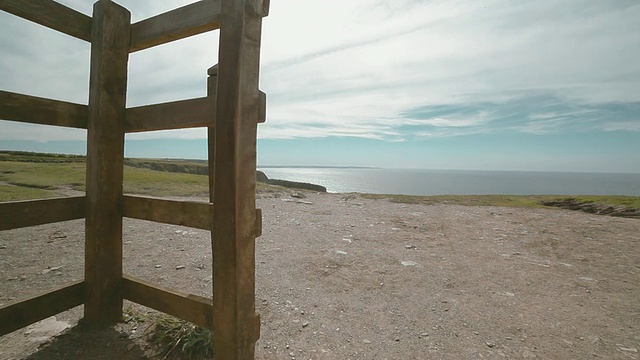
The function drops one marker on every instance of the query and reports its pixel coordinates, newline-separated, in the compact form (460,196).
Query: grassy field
(530,201)
(27,180)
(31,176)
(34,180)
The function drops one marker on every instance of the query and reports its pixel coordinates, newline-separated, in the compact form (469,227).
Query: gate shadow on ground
(83,342)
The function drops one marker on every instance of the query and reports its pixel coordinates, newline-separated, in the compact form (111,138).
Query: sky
(457,84)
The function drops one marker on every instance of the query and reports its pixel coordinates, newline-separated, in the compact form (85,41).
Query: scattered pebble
(408,247)
(180,267)
(490,343)
(158,266)
(340,252)
(305,324)
(366,341)
(408,263)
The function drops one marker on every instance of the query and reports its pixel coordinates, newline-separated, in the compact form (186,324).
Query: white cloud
(356,68)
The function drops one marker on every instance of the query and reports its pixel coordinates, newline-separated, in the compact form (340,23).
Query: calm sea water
(460,182)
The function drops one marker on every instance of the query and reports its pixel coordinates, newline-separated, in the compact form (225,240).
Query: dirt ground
(344,277)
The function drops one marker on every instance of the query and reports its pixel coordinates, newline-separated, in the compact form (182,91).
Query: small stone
(366,341)
(628,349)
(131,346)
(340,252)
(424,334)
(490,343)
(180,267)
(305,324)
(158,266)
(409,247)
(408,263)
(3,247)
(396,339)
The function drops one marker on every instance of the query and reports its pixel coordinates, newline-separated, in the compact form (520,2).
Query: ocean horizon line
(434,169)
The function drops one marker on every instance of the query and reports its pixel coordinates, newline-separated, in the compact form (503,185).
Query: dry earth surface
(344,277)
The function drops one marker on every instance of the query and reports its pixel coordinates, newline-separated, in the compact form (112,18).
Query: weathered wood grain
(37,110)
(193,308)
(212,87)
(173,115)
(180,23)
(235,323)
(186,213)
(105,156)
(262,107)
(26,312)
(258,224)
(52,15)
(19,214)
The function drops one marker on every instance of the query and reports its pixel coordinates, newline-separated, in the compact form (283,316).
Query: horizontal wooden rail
(199,112)
(20,314)
(52,15)
(19,214)
(193,308)
(186,213)
(180,23)
(37,110)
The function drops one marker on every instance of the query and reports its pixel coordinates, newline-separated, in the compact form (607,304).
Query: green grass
(159,183)
(523,201)
(43,175)
(16,193)
(52,176)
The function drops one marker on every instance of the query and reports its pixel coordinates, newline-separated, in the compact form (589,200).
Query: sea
(459,182)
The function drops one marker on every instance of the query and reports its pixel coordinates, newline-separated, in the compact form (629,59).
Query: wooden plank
(186,213)
(262,107)
(258,225)
(193,308)
(19,214)
(212,87)
(173,115)
(26,312)
(37,110)
(180,23)
(52,15)
(235,323)
(105,156)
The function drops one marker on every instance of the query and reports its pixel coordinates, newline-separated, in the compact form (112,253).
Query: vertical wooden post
(212,83)
(110,36)
(236,325)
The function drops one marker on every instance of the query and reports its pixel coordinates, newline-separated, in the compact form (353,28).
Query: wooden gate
(231,110)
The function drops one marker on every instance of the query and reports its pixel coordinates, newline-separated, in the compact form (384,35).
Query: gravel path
(344,277)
